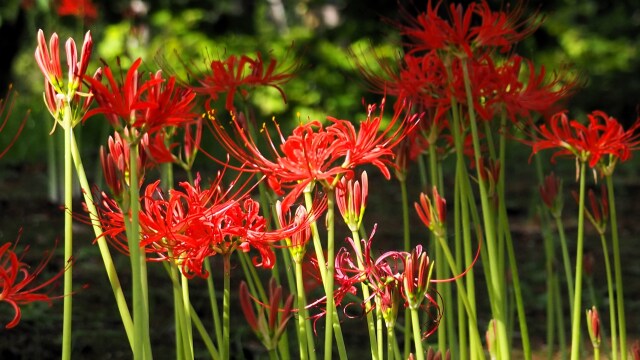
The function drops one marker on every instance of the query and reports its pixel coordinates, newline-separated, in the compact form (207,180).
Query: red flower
(433,213)
(268,328)
(115,162)
(351,197)
(149,107)
(466,30)
(48,60)
(239,74)
(603,136)
(16,281)
(79,8)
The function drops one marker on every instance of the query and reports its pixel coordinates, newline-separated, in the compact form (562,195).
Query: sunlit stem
(371,326)
(319,250)
(407,246)
(214,304)
(110,268)
(187,317)
(497,280)
(68,233)
(391,339)
(137,258)
(332,320)
(417,336)
(577,301)
(226,298)
(617,268)
(302,313)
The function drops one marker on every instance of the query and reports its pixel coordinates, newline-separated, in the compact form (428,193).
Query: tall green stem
(68,234)
(577,301)
(612,297)
(417,336)
(617,268)
(497,280)
(302,303)
(214,304)
(226,298)
(141,342)
(407,246)
(110,268)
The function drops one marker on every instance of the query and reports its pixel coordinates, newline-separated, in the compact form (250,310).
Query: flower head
(16,281)
(239,74)
(351,197)
(589,143)
(149,106)
(551,193)
(269,328)
(432,212)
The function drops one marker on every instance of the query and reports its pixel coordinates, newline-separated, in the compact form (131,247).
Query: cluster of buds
(433,213)
(268,328)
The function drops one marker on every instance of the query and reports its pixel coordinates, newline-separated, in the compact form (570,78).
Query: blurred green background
(597,40)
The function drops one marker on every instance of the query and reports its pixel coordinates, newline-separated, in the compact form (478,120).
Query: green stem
(226,299)
(417,336)
(497,280)
(302,303)
(612,297)
(566,260)
(577,303)
(188,333)
(407,247)
(68,234)
(562,342)
(107,260)
(214,304)
(333,324)
(371,326)
(617,266)
(391,339)
(137,257)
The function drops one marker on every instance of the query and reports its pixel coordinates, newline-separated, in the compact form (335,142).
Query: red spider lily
(538,94)
(602,136)
(551,193)
(115,162)
(351,197)
(309,154)
(370,145)
(466,30)
(79,8)
(432,213)
(417,276)
(16,281)
(239,74)
(48,59)
(149,107)
(268,328)
(6,105)
(301,219)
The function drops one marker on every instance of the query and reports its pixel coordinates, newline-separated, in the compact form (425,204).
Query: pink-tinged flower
(476,28)
(16,281)
(433,213)
(239,74)
(417,276)
(589,143)
(149,106)
(6,105)
(268,328)
(84,9)
(300,219)
(551,193)
(351,197)
(56,95)
(116,162)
